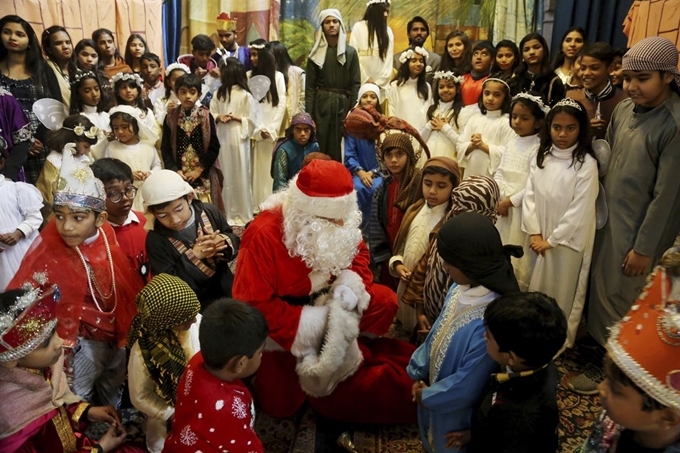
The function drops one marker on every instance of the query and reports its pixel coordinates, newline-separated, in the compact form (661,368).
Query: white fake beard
(324,246)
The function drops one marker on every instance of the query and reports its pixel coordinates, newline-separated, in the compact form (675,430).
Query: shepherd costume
(324,296)
(288,153)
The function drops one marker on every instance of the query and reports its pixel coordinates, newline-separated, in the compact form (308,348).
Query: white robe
(406,103)
(559,204)
(143,389)
(442,143)
(372,67)
(263,183)
(140,157)
(101,120)
(160,107)
(496,133)
(234,154)
(511,177)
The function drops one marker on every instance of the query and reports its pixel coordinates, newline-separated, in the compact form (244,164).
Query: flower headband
(537,99)
(127,76)
(80,130)
(257,46)
(449,75)
(377,2)
(494,79)
(410,53)
(569,102)
(80,75)
(174,66)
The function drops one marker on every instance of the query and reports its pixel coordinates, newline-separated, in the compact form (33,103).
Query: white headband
(408,54)
(494,79)
(174,66)
(449,75)
(544,108)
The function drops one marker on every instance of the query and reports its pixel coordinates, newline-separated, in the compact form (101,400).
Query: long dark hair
(105,31)
(266,66)
(232,73)
(166,81)
(513,47)
(76,102)
(403,75)
(139,102)
(533,107)
(523,67)
(505,107)
(128,54)
(584,143)
(448,63)
(559,55)
(458,103)
(377,27)
(282,57)
(35,63)
(45,40)
(108,100)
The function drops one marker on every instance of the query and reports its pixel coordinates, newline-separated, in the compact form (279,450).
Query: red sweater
(132,239)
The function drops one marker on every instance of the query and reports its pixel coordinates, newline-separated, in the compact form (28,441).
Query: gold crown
(225,23)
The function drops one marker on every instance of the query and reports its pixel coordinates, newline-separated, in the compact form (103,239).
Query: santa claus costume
(304,265)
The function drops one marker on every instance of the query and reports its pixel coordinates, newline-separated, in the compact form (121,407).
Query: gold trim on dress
(82,407)
(64,430)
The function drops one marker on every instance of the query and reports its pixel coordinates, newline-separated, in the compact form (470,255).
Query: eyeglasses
(116,197)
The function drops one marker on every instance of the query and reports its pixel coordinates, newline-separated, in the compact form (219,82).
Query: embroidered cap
(653,54)
(226,23)
(76,186)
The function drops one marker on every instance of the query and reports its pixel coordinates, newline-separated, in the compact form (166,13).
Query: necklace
(88,271)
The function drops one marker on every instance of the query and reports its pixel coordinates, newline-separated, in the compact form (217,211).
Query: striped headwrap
(653,54)
(164,303)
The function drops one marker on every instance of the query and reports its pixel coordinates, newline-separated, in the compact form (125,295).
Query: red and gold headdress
(30,320)
(645,344)
(225,23)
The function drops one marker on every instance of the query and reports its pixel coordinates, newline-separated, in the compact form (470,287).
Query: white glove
(348,300)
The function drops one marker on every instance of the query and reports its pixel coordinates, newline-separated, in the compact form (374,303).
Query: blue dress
(454,362)
(360,155)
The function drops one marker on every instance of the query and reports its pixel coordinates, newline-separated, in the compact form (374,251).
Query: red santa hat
(324,188)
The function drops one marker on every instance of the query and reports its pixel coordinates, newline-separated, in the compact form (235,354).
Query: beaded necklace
(91,278)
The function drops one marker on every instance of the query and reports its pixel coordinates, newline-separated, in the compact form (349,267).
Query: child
(39,411)
(128,225)
(86,99)
(273,108)
(151,75)
(86,59)
(360,157)
(640,394)
(161,98)
(534,73)
(112,62)
(616,75)
(483,55)
(443,125)
(300,140)
(19,222)
(374,42)
(132,146)
(449,370)
(409,95)
(486,134)
(643,132)
(128,91)
(75,137)
(295,79)
(518,412)
(214,407)
(235,113)
(190,145)
(190,239)
(439,176)
(507,58)
(78,248)
(527,118)
(599,96)
(558,211)
(199,61)
(134,49)
(162,340)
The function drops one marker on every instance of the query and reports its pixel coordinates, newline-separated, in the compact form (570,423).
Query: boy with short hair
(300,140)
(215,410)
(518,412)
(641,390)
(200,61)
(150,72)
(190,145)
(116,176)
(190,239)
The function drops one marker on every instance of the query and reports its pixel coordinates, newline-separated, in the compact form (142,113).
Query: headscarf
(409,186)
(653,54)
(366,87)
(318,53)
(163,304)
(446,163)
(472,243)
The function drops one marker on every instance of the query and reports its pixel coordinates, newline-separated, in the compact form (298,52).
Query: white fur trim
(340,207)
(310,331)
(319,281)
(354,282)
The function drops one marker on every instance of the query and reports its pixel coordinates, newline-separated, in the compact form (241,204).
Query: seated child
(79,250)
(300,140)
(38,411)
(450,369)
(440,176)
(518,412)
(214,407)
(190,145)
(162,339)
(190,239)
(640,394)
(116,176)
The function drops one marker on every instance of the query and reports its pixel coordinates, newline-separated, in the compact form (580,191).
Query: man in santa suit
(304,265)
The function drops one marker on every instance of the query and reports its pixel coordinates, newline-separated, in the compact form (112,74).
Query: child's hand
(265,135)
(417,391)
(635,264)
(215,72)
(105,414)
(366,178)
(113,438)
(457,439)
(138,176)
(598,124)
(193,175)
(181,173)
(36,149)
(209,245)
(200,72)
(437,123)
(423,323)
(504,207)
(224,119)
(402,271)
(12,238)
(539,245)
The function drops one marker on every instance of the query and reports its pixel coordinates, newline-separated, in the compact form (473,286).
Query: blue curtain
(172,29)
(601,19)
